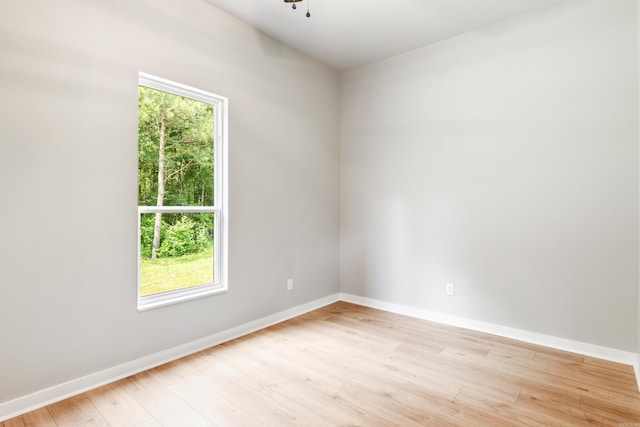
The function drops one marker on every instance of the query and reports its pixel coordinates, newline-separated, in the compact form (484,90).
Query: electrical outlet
(290,284)
(451,289)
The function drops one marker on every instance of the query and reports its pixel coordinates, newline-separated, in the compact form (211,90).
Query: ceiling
(345,34)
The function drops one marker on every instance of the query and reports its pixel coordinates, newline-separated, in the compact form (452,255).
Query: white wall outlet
(290,284)
(451,289)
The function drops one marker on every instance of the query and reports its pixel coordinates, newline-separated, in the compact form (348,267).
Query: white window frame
(219,208)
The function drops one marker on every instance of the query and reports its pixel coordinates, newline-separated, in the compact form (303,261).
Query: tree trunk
(160,201)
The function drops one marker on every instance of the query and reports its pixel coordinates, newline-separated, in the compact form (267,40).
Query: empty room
(319,213)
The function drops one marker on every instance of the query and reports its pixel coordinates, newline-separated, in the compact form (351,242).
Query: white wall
(68,144)
(506,162)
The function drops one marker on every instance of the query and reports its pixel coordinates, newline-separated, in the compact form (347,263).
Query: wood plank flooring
(347,365)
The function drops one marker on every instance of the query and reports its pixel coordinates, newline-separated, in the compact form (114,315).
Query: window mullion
(176,209)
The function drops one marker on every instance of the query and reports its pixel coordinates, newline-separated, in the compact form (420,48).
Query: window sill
(169,298)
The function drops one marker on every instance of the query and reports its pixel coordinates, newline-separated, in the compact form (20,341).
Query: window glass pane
(183,255)
(175,150)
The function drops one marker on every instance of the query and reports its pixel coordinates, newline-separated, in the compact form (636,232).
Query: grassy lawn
(169,274)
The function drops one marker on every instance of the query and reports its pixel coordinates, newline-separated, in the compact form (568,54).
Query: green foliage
(184,237)
(180,234)
(147,222)
(188,177)
(188,170)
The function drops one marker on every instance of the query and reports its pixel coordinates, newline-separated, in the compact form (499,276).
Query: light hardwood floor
(350,365)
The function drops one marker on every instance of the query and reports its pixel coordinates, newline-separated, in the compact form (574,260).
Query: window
(181,192)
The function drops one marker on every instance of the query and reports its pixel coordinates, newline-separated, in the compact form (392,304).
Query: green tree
(175,152)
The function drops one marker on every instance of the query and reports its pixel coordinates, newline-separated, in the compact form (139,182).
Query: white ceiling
(349,33)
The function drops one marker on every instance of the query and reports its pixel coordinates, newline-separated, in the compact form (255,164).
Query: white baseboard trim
(586,349)
(39,399)
(636,367)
